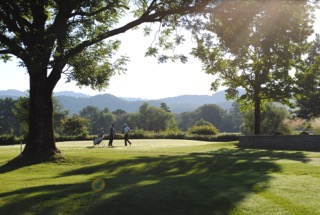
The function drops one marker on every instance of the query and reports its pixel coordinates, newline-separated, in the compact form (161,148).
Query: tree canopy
(73,36)
(255,45)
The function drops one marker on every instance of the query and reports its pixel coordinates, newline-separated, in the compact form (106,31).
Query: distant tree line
(275,119)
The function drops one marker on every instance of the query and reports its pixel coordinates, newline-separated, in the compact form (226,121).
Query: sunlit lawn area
(162,177)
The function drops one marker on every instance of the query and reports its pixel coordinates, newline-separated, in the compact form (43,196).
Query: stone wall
(287,142)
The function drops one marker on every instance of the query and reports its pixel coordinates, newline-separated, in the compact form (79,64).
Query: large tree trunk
(41,142)
(257,115)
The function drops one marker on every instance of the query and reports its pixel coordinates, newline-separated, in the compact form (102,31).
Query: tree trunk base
(38,154)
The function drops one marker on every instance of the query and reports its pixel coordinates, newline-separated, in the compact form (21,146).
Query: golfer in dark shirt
(112,132)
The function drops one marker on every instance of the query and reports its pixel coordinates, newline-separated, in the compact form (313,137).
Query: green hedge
(136,134)
(6,139)
(222,137)
(203,130)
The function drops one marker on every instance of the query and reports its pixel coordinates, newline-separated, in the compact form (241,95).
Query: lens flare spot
(98,185)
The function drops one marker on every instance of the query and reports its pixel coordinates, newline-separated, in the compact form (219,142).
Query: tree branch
(108,7)
(144,18)
(4,51)
(13,48)
(11,23)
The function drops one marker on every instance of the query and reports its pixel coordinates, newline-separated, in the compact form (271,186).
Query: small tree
(75,126)
(165,107)
(154,119)
(212,113)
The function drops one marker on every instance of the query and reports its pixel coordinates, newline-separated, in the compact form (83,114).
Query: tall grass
(162,177)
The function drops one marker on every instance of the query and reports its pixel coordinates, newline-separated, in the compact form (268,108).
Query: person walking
(126,130)
(111,135)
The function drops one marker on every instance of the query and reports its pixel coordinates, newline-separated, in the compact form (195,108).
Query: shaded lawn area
(189,178)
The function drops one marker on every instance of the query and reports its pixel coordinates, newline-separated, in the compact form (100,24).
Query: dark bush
(6,139)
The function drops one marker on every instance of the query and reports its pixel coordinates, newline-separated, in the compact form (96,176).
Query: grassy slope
(163,177)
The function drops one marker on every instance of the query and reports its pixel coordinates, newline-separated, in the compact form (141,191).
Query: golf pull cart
(99,141)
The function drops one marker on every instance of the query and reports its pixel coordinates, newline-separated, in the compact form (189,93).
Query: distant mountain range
(74,102)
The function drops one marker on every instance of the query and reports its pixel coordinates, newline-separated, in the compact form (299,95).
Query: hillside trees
(185,120)
(98,120)
(154,119)
(73,37)
(75,126)
(59,114)
(148,118)
(122,117)
(21,111)
(211,113)
(233,119)
(225,121)
(14,116)
(254,45)
(9,124)
(272,120)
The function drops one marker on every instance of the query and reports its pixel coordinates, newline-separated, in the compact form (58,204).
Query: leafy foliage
(254,45)
(21,111)
(202,122)
(99,120)
(212,113)
(155,119)
(9,124)
(273,121)
(308,84)
(75,126)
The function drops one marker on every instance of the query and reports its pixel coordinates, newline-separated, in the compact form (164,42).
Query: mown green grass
(162,177)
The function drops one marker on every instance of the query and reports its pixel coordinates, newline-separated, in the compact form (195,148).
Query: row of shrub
(136,134)
(7,139)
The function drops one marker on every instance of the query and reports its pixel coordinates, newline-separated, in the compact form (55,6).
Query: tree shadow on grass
(13,164)
(20,162)
(197,183)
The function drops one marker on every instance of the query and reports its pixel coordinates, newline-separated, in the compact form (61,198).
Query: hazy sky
(144,78)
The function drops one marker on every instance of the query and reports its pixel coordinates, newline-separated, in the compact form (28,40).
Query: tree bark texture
(41,141)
